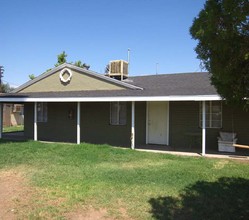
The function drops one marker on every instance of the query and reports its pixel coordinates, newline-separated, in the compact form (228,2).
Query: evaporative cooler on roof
(118,69)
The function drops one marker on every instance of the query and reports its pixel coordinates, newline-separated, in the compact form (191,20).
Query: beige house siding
(78,82)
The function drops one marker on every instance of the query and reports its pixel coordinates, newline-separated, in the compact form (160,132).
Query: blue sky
(34,32)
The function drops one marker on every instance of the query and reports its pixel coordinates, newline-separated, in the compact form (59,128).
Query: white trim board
(114,99)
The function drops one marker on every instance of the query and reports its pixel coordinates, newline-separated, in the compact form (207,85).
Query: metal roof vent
(118,69)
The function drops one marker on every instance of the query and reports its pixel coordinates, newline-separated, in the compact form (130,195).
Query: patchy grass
(13,128)
(127,184)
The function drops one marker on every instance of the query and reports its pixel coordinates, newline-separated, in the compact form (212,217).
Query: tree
(222,31)
(61,58)
(107,68)
(6,88)
(82,65)
(31,76)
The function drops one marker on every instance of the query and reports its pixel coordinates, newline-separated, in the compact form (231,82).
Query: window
(213,114)
(118,113)
(17,108)
(42,112)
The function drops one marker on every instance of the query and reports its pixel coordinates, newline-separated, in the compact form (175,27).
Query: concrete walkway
(193,154)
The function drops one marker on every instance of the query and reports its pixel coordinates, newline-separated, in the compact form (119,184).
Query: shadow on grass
(7,141)
(227,198)
(14,136)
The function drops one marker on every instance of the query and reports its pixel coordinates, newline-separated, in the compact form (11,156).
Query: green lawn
(13,128)
(145,185)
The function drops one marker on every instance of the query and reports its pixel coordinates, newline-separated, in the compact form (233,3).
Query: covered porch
(87,120)
(134,118)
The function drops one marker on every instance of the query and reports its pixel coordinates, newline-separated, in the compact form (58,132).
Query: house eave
(114,99)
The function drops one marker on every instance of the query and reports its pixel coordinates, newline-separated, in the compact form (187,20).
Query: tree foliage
(107,68)
(6,88)
(82,65)
(62,58)
(222,31)
(31,76)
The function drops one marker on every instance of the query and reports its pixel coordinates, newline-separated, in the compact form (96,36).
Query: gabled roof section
(89,73)
(193,83)
(164,87)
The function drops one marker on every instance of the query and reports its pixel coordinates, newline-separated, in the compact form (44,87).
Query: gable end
(68,77)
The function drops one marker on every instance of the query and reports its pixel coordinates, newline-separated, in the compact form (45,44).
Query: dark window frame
(42,112)
(118,113)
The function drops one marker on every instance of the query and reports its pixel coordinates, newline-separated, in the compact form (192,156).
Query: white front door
(158,123)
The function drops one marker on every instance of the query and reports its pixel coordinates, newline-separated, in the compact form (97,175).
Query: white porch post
(1,119)
(35,121)
(78,122)
(203,128)
(133,125)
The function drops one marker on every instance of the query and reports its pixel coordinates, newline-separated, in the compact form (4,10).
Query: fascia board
(114,99)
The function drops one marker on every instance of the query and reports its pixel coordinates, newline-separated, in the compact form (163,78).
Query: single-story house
(72,104)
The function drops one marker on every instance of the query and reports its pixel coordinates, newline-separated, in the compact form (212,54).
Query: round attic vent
(65,75)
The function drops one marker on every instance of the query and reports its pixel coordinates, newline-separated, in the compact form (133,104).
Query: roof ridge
(163,74)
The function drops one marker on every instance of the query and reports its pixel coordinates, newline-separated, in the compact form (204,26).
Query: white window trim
(209,120)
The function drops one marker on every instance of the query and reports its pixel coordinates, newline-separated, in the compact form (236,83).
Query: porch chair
(226,141)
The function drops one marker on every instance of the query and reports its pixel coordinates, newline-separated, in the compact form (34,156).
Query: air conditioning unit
(118,69)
